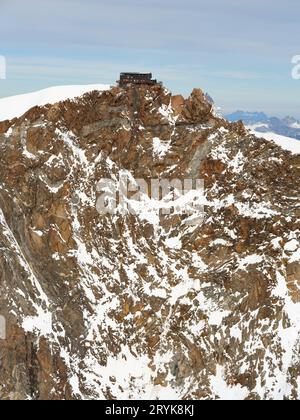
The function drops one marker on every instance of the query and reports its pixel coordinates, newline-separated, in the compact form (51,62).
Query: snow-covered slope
(15,106)
(286,143)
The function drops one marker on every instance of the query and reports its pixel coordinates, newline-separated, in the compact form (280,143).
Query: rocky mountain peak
(140,304)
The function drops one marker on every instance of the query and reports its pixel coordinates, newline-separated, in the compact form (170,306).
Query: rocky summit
(146,305)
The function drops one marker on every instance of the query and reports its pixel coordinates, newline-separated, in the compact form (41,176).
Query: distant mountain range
(262,123)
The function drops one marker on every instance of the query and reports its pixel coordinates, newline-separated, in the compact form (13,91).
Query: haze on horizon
(238,51)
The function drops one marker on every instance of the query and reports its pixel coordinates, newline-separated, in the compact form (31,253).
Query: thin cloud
(236,74)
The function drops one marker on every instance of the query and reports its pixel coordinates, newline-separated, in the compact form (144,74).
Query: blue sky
(238,51)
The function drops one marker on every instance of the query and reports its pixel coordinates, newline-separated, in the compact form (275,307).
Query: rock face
(146,305)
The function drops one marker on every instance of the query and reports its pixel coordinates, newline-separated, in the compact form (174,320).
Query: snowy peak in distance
(261,123)
(15,106)
(247,117)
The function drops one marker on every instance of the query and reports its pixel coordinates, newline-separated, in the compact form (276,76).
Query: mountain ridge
(141,305)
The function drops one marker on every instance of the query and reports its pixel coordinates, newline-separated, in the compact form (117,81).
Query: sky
(239,51)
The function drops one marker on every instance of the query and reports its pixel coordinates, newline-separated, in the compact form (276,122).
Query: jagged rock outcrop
(146,305)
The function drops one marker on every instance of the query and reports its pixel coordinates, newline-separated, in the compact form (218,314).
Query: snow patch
(160,148)
(41,323)
(16,106)
(225,392)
